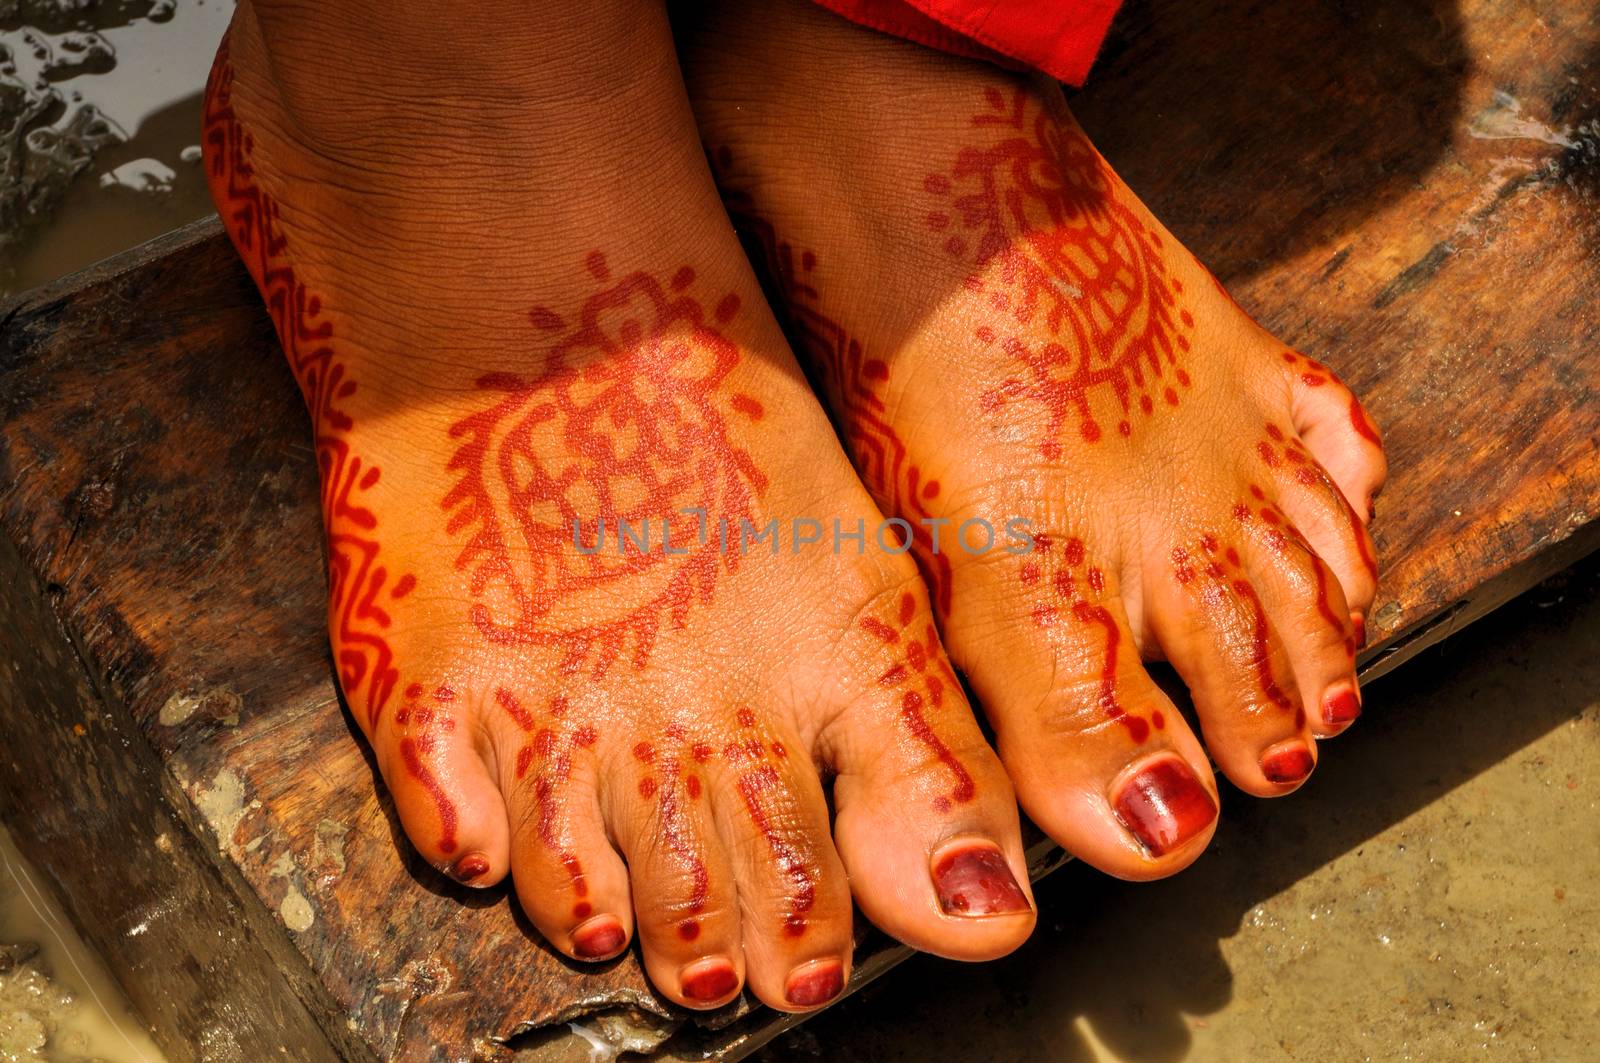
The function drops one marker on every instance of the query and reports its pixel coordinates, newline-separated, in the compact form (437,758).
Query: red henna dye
(356,578)
(1045,228)
(626,422)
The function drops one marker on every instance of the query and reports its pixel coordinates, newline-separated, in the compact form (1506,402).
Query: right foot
(1004,330)
(519,299)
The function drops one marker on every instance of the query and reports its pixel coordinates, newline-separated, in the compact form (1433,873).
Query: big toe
(1102,761)
(927,821)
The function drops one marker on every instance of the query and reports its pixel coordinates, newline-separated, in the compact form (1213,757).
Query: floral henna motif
(1035,215)
(922,676)
(853,382)
(1076,596)
(625,423)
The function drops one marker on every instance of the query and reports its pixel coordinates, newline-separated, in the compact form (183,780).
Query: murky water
(57,1002)
(99,127)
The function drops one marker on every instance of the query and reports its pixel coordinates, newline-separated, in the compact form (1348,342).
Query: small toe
(794,895)
(1337,430)
(434,762)
(569,880)
(1211,617)
(685,895)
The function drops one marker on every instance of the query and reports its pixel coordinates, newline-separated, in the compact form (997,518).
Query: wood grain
(1407,191)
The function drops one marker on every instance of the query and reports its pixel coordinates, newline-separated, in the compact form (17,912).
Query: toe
(1308,495)
(1305,605)
(434,762)
(686,901)
(1336,430)
(1211,617)
(927,821)
(1102,761)
(793,893)
(569,880)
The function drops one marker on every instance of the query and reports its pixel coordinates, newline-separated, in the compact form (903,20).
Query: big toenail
(1164,805)
(973,878)
(707,981)
(813,984)
(599,938)
(471,866)
(1287,764)
(1339,709)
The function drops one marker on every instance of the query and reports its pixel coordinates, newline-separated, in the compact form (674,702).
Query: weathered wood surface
(1409,191)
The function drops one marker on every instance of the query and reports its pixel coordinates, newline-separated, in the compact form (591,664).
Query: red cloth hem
(1058,37)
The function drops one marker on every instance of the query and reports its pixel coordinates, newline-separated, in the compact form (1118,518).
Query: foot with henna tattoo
(580,505)
(1001,327)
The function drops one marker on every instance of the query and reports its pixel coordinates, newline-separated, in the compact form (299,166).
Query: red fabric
(1059,37)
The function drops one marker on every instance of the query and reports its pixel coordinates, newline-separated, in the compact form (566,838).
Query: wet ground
(57,1003)
(99,127)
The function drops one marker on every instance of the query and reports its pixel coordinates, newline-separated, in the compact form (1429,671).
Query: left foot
(1003,330)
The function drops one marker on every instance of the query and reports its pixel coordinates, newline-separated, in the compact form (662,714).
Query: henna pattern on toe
(1078,596)
(627,422)
(1034,213)
(922,677)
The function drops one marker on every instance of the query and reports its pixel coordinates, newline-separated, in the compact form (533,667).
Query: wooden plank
(1408,192)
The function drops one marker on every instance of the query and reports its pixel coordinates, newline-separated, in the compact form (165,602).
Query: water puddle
(99,128)
(57,1001)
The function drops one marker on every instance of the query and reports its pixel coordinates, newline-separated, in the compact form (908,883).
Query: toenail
(1287,764)
(973,878)
(1359,622)
(813,984)
(1164,805)
(1339,709)
(599,938)
(708,981)
(471,866)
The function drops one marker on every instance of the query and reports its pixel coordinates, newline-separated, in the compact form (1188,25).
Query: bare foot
(1002,328)
(520,319)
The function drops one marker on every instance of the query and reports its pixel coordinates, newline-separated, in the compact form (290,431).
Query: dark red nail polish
(814,984)
(1164,805)
(1339,709)
(471,866)
(1287,765)
(975,879)
(1359,622)
(599,938)
(709,980)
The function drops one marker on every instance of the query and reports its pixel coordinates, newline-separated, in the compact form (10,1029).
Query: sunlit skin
(999,325)
(637,738)
(525,329)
